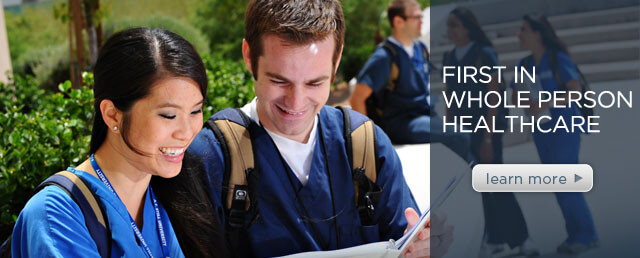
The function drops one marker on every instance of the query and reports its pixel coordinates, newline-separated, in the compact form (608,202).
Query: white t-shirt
(297,155)
(462,51)
(408,49)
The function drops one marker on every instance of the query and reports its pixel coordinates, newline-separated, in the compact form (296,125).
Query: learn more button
(532,178)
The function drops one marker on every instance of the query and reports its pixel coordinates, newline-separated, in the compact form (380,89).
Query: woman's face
(456,32)
(527,36)
(163,124)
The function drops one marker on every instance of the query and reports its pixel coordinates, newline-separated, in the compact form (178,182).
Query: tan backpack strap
(91,199)
(394,71)
(363,147)
(95,218)
(361,150)
(393,76)
(241,153)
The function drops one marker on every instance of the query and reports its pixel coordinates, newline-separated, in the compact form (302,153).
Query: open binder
(391,248)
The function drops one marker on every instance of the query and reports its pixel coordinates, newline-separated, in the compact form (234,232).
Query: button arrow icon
(576,178)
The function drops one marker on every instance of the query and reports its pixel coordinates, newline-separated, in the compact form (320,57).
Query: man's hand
(440,240)
(359,97)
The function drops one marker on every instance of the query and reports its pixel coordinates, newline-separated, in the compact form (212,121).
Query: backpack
(584,85)
(94,215)
(241,175)
(375,103)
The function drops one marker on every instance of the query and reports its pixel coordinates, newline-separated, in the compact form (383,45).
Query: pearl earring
(115,128)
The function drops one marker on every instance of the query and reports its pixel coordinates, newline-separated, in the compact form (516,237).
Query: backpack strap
(95,218)
(553,64)
(584,85)
(427,57)
(362,152)
(376,101)
(394,71)
(240,177)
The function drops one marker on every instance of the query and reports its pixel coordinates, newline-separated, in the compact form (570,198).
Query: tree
(82,15)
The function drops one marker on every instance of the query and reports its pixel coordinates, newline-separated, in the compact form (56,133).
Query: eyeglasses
(419,17)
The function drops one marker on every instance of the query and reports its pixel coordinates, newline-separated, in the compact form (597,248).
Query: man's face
(413,22)
(292,84)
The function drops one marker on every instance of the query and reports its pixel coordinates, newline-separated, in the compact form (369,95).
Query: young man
(303,194)
(404,105)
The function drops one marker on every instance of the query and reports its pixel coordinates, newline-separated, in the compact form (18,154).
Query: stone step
(559,22)
(581,54)
(569,21)
(571,37)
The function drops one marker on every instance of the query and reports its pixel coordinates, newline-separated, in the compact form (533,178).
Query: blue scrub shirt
(280,225)
(411,93)
(567,72)
(52,225)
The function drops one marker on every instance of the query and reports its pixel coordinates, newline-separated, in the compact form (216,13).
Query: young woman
(504,222)
(149,91)
(556,71)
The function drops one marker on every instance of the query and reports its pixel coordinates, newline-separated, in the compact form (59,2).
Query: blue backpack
(94,215)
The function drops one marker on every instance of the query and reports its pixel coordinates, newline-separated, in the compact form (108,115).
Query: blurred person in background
(504,222)
(393,85)
(555,71)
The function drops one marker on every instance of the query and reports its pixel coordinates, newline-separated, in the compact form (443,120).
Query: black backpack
(375,103)
(94,215)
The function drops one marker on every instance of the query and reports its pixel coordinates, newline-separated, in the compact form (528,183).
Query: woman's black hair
(186,198)
(550,40)
(470,23)
(128,66)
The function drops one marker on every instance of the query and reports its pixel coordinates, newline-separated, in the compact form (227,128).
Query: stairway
(605,44)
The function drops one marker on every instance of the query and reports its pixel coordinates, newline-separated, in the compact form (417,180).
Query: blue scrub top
(52,225)
(567,71)
(279,225)
(411,93)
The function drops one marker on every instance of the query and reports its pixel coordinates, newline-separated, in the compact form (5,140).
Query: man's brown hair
(297,21)
(397,8)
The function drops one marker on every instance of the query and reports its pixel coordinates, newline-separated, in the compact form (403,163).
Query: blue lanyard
(136,230)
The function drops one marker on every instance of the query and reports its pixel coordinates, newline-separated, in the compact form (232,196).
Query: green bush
(230,85)
(223,23)
(43,132)
(48,65)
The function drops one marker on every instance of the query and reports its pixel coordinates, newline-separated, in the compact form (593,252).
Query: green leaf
(65,86)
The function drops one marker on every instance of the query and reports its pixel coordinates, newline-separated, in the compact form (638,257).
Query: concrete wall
(5,57)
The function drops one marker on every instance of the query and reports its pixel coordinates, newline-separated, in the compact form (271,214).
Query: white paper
(373,250)
(391,248)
